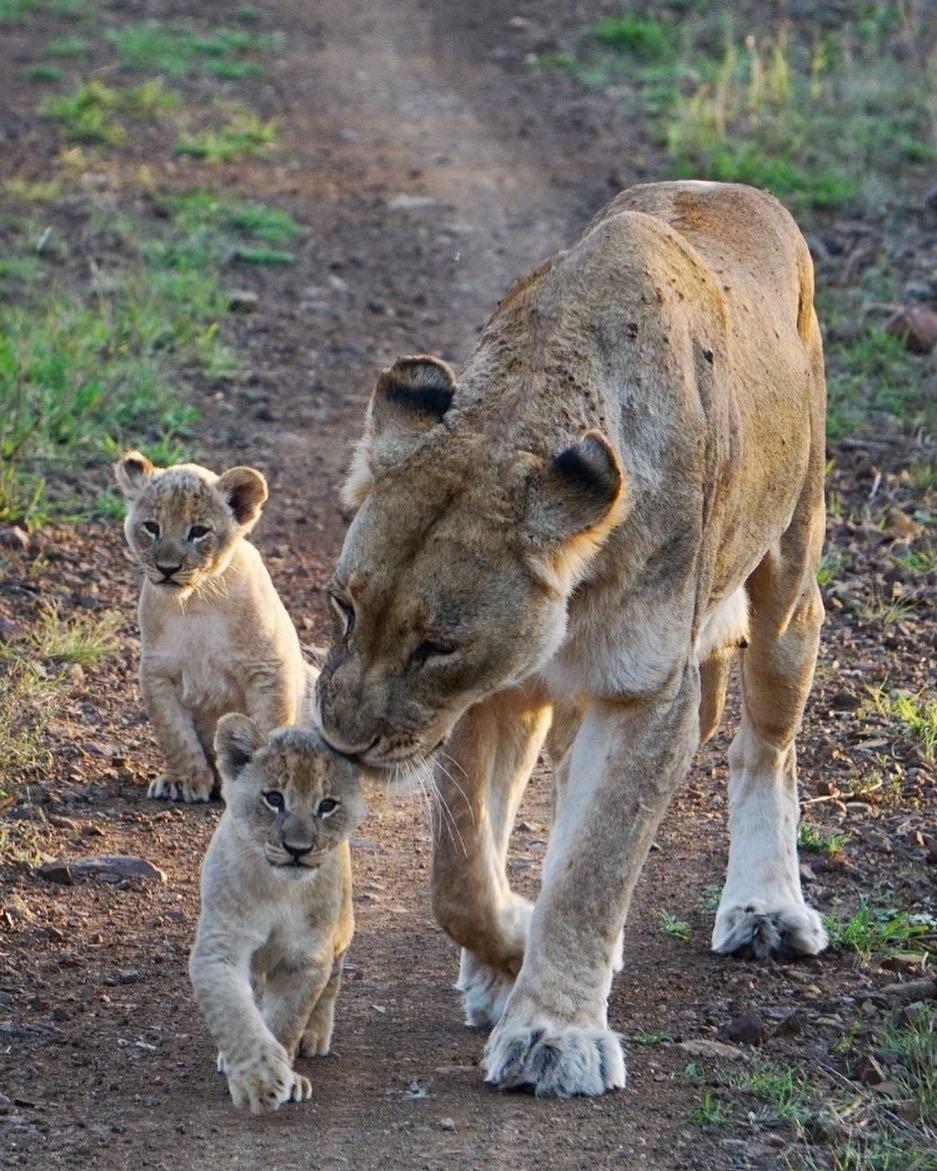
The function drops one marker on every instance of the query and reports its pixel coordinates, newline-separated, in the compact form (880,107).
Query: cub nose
(296,852)
(168,570)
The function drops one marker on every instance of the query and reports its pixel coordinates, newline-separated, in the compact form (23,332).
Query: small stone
(916,325)
(748,1029)
(8,629)
(826,1128)
(908,990)
(405,202)
(14,538)
(713,1050)
(868,1071)
(128,976)
(109,868)
(446,1124)
(243,300)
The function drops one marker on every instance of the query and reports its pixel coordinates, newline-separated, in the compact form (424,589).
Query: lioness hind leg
(762,911)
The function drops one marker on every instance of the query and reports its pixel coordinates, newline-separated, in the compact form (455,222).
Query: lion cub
(276,907)
(214,635)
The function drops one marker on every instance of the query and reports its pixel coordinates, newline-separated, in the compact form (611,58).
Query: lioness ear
(576,502)
(132,471)
(237,738)
(245,490)
(409,398)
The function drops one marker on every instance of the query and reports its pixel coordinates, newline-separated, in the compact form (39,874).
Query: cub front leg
(317,1035)
(189,775)
(258,1067)
(272,696)
(627,758)
(289,997)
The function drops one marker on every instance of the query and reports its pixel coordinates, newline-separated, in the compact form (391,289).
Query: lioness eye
(345,611)
(273,799)
(431,648)
(196,532)
(326,806)
(151,527)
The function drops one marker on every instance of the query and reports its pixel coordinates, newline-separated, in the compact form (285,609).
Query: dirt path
(431,169)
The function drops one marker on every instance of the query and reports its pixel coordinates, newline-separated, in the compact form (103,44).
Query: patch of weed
(655,1037)
(18,268)
(244,135)
(874,932)
(674,927)
(92,113)
(41,71)
(785,1090)
(917,560)
(887,611)
(914,717)
(712,1111)
(70,638)
(914,1044)
(25,699)
(829,566)
(264,255)
(197,209)
(636,36)
(65,47)
(811,838)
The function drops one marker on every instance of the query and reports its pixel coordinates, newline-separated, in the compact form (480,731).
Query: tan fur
(276,916)
(215,636)
(624,486)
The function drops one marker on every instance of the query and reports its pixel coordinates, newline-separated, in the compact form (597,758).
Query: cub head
(292,798)
(456,571)
(183,522)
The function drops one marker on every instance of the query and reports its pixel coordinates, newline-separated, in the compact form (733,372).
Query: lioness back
(214,635)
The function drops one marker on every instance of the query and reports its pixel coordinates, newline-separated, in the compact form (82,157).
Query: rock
(405,202)
(128,976)
(14,538)
(446,1124)
(908,990)
(242,300)
(748,1029)
(917,325)
(712,1050)
(107,867)
(8,629)
(868,1071)
(826,1128)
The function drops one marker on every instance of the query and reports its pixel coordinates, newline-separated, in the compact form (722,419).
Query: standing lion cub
(214,635)
(276,914)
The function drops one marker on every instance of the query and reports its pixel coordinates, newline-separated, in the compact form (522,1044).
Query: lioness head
(458,566)
(292,798)
(183,522)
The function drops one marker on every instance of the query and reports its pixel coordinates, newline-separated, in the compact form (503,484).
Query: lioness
(214,635)
(276,915)
(625,485)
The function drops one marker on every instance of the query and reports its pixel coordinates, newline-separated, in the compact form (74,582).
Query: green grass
(66,47)
(81,377)
(18,269)
(179,50)
(18,11)
(637,37)
(244,135)
(26,698)
(786,1091)
(912,717)
(41,71)
(674,927)
(887,611)
(655,1037)
(194,210)
(877,932)
(810,838)
(712,1111)
(914,1045)
(264,255)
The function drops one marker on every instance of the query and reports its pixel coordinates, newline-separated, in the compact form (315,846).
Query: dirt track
(432,169)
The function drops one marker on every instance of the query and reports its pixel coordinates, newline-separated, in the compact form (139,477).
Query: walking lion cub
(276,914)
(214,635)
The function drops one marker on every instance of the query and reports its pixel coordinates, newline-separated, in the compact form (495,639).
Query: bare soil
(431,167)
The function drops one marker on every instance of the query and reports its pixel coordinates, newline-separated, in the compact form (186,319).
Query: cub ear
(575,502)
(409,398)
(245,490)
(237,738)
(132,471)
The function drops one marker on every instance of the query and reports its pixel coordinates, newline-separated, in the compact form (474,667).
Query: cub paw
(267,1082)
(485,991)
(555,1062)
(168,789)
(754,930)
(317,1039)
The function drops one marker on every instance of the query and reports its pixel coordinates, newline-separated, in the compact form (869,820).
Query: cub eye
(432,648)
(326,806)
(196,532)
(273,799)
(345,611)
(151,527)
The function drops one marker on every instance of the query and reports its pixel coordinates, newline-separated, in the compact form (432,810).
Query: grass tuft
(674,927)
(880,932)
(810,838)
(244,135)
(57,638)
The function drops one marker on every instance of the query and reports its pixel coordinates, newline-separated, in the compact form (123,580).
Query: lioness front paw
(166,788)
(267,1082)
(755,929)
(484,989)
(561,1061)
